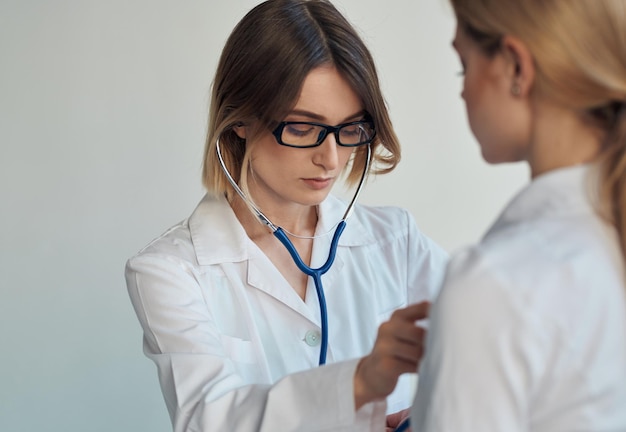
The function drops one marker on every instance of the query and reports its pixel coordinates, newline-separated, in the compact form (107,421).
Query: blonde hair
(579,50)
(260,73)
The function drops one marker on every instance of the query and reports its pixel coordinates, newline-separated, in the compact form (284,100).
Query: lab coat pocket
(238,350)
(243,356)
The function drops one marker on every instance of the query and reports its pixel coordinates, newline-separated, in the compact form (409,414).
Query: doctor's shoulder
(426,260)
(175,241)
(389,221)
(173,248)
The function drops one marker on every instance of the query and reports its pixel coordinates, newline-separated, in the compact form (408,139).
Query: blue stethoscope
(279,233)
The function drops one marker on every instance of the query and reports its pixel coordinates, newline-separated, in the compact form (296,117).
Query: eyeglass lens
(305,134)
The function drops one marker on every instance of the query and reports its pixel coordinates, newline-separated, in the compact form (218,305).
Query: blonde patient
(529,331)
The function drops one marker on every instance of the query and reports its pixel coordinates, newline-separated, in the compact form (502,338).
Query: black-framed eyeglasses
(309,134)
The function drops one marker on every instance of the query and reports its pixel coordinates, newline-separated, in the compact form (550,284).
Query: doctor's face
(282,175)
(492,112)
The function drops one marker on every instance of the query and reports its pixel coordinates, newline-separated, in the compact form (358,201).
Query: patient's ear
(521,65)
(240,130)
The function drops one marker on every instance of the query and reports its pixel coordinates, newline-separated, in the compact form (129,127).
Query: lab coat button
(312,338)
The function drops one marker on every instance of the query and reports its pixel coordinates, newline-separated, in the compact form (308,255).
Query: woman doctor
(533,319)
(233,325)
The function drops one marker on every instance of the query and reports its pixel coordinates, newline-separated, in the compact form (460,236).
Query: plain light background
(103,108)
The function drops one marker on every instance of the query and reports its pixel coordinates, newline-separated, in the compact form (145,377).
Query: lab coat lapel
(264,276)
(219,238)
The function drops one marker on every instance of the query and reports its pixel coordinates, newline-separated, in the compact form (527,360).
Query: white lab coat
(529,331)
(237,349)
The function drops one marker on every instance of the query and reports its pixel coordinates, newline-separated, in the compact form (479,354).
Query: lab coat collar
(218,236)
(332,210)
(564,191)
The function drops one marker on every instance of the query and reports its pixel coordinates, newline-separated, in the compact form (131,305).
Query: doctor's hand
(396,419)
(398,349)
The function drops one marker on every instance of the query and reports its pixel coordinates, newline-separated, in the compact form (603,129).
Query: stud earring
(516,90)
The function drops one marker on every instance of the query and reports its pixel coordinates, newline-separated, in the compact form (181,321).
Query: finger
(409,356)
(399,338)
(400,357)
(398,325)
(409,334)
(394,367)
(414,312)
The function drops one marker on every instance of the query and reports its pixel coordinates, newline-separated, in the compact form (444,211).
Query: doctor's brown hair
(579,51)
(261,71)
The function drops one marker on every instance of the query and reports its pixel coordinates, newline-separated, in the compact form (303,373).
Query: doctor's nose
(327,153)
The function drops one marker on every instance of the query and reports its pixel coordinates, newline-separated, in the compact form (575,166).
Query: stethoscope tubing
(316,274)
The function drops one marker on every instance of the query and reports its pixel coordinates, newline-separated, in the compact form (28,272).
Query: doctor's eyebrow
(320,117)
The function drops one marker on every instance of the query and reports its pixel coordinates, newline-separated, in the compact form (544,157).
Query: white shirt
(529,331)
(235,346)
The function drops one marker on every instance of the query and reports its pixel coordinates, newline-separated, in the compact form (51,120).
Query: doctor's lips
(318,182)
